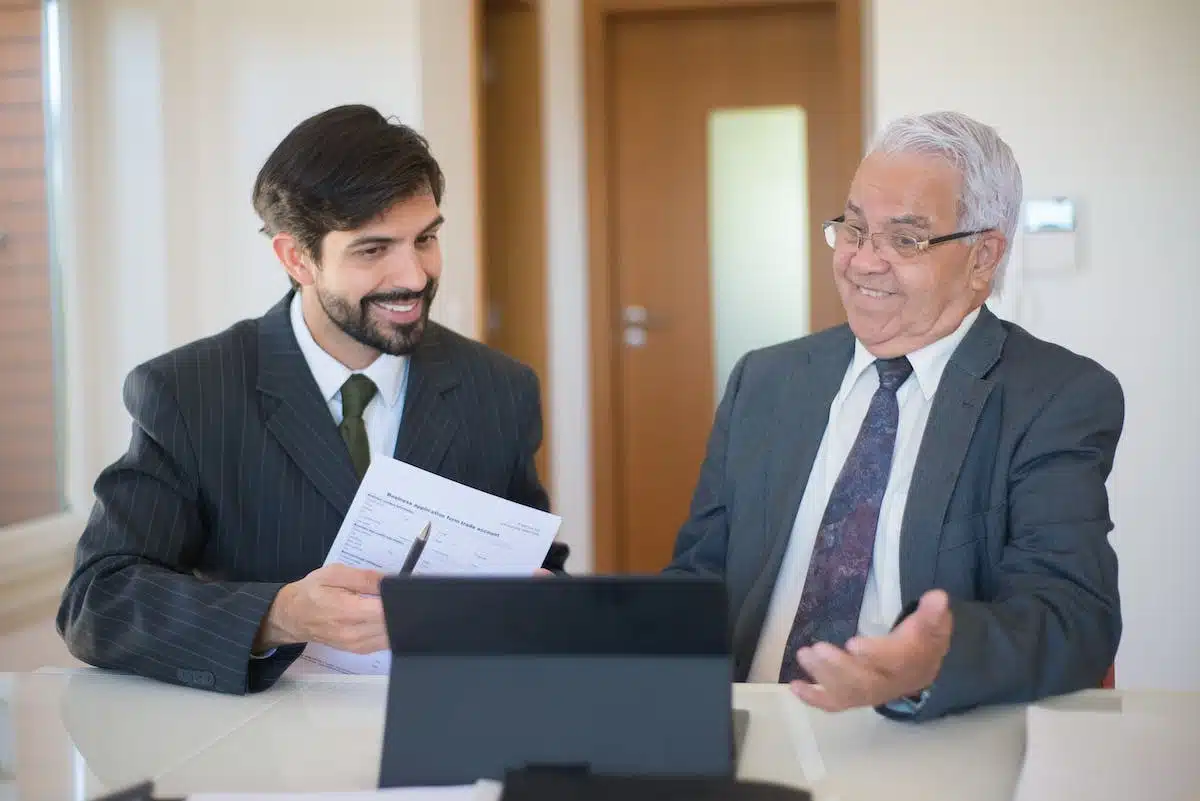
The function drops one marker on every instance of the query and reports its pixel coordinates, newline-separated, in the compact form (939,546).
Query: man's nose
(867,260)
(406,271)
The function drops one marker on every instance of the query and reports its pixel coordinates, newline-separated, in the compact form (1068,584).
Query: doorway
(719,136)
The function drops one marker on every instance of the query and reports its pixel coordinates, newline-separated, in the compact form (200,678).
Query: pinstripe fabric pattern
(236,480)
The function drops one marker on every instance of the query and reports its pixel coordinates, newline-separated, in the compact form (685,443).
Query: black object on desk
(143,791)
(556,557)
(615,675)
(536,785)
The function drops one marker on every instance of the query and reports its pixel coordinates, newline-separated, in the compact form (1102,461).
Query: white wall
(449,120)
(1101,102)
(174,105)
(568,388)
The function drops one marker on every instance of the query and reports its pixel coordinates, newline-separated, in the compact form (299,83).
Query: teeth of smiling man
(872,293)
(400,307)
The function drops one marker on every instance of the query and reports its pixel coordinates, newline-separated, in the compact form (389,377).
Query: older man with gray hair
(909,511)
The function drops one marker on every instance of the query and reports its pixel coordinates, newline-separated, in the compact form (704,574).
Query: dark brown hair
(340,169)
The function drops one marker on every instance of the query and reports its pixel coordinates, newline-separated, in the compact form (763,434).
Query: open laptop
(617,675)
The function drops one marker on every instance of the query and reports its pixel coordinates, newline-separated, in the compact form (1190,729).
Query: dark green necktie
(356,394)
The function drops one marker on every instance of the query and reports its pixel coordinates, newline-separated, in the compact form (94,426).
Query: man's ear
(989,250)
(294,258)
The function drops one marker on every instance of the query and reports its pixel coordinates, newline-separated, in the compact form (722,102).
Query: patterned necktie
(837,574)
(356,394)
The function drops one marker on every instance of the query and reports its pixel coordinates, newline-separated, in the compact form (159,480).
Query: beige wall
(448,118)
(568,388)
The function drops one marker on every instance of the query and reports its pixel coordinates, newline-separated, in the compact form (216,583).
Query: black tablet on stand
(611,675)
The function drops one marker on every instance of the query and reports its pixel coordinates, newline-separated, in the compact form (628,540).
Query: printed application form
(471,533)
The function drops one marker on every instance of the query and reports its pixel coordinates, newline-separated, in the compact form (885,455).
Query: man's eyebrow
(910,219)
(903,219)
(370,239)
(379,239)
(438,221)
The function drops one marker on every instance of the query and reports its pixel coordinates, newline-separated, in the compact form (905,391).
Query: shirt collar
(928,363)
(387,371)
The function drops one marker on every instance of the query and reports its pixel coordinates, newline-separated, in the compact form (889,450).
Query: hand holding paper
(467,532)
(334,605)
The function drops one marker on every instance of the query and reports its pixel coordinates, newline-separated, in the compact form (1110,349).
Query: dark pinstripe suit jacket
(236,482)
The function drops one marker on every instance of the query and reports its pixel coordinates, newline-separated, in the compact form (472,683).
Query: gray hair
(991,178)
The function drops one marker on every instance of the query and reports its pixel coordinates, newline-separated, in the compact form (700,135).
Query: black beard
(392,339)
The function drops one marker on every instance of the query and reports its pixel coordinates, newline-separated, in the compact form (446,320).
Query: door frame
(603,328)
(530,270)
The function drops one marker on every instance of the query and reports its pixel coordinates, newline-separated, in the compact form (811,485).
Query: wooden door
(29,484)
(665,75)
(513,208)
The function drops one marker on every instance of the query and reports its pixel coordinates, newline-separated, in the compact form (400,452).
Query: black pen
(414,553)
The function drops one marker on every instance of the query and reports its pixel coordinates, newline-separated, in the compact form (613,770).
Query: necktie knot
(356,394)
(893,372)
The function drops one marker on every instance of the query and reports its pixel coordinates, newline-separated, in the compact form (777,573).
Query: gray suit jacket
(1007,511)
(236,481)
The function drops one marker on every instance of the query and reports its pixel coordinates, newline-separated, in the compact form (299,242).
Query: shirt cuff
(266,655)
(910,705)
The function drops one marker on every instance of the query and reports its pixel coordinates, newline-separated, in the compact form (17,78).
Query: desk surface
(76,734)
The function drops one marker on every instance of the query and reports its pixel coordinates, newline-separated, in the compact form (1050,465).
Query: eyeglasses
(841,234)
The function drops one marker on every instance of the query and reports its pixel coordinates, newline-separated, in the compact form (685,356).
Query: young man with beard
(202,561)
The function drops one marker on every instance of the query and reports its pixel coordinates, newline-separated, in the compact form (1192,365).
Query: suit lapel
(802,416)
(957,405)
(297,415)
(429,419)
(797,428)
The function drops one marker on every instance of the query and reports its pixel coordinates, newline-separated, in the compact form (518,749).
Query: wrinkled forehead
(906,189)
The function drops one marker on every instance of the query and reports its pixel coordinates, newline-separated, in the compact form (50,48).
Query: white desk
(72,735)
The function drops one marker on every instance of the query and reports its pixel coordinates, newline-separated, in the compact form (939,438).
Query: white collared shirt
(390,374)
(881,601)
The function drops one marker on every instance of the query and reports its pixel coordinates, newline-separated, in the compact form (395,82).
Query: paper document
(1130,751)
(471,533)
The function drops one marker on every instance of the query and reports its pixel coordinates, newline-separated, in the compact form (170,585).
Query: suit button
(195,678)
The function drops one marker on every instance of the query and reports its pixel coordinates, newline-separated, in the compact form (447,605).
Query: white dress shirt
(389,373)
(881,600)
(383,413)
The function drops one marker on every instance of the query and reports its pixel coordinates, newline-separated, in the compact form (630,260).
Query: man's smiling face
(897,305)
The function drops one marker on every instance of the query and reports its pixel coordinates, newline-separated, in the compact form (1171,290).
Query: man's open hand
(335,605)
(878,670)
